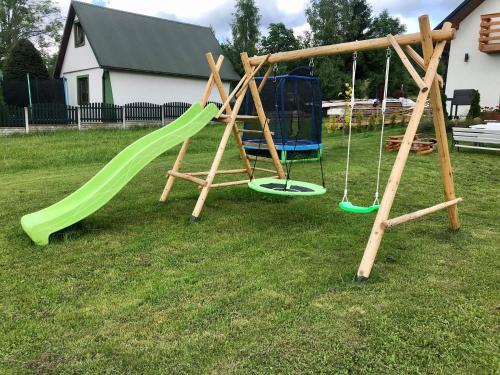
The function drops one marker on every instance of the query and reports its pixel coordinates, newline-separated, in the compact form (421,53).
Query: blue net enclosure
(292,103)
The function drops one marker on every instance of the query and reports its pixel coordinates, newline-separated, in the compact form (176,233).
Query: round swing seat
(349,207)
(285,187)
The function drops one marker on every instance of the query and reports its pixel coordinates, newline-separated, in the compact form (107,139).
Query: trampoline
(292,103)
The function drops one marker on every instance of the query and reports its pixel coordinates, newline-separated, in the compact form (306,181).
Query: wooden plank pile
(419,146)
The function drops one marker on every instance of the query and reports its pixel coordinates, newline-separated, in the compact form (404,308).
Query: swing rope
(346,182)
(384,107)
(345,204)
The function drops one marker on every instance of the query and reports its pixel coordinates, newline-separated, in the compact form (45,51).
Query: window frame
(77,29)
(79,89)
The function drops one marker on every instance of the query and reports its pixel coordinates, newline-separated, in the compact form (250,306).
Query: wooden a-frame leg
(262,117)
(218,157)
(440,129)
(224,97)
(378,228)
(182,152)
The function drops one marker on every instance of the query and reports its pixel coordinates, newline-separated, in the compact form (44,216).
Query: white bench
(477,138)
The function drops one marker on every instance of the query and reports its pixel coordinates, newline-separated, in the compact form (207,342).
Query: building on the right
(474,55)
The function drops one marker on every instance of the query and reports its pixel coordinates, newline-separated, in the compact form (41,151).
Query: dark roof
(460,13)
(128,41)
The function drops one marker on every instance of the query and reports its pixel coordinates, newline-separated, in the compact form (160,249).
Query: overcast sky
(291,12)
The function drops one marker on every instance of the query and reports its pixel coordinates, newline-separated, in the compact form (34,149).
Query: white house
(111,56)
(474,55)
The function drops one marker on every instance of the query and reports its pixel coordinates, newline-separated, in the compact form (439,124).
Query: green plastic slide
(115,175)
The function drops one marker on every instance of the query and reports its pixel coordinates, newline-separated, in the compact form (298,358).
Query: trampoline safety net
(292,103)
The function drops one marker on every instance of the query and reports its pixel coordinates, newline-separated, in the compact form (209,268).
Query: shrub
(359,119)
(394,118)
(371,122)
(24,58)
(475,107)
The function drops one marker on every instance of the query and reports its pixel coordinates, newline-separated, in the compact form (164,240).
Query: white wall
(95,85)
(136,87)
(80,61)
(482,71)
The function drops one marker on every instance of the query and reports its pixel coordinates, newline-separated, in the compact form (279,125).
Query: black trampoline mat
(292,188)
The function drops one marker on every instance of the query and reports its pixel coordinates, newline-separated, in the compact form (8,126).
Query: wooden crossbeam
(187,177)
(350,47)
(407,64)
(235,183)
(390,223)
(227,171)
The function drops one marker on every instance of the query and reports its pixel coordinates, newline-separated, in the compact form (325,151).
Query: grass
(262,285)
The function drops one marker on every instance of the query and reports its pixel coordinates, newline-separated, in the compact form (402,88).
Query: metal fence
(61,114)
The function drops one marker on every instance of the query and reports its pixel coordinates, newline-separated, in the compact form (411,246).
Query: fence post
(79,117)
(26,120)
(162,116)
(123,117)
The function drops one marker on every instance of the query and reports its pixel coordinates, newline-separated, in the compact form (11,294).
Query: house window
(82,84)
(79,35)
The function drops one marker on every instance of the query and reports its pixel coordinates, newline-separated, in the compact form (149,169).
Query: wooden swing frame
(433,44)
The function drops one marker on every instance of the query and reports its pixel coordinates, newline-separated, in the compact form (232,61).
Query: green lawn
(262,285)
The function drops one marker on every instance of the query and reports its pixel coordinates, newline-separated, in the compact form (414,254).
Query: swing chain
(311,67)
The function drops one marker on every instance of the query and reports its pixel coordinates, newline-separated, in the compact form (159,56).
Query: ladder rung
(260,158)
(253,131)
(265,170)
(263,146)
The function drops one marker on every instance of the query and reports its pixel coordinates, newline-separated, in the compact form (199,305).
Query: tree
(279,38)
(332,22)
(382,25)
(245,32)
(22,59)
(37,20)
(337,21)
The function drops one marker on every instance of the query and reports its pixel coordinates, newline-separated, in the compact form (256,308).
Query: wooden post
(262,117)
(440,125)
(26,120)
(378,228)
(185,145)
(123,118)
(79,117)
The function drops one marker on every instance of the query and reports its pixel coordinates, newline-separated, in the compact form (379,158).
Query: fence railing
(105,113)
(12,116)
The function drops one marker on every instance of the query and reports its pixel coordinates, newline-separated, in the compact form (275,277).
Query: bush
(371,122)
(394,118)
(359,119)
(22,59)
(475,107)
